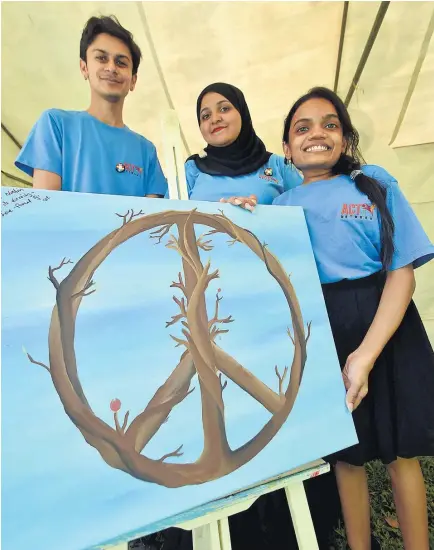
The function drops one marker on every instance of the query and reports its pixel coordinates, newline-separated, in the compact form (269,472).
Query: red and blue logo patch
(128,167)
(350,211)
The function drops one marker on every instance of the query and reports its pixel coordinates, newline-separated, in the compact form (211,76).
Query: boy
(93,151)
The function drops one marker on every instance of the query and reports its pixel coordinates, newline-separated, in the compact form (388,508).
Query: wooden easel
(210,523)
(211,531)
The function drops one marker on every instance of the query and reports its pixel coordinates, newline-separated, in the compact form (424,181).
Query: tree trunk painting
(122,446)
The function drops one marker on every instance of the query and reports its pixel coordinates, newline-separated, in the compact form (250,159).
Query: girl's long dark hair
(351,160)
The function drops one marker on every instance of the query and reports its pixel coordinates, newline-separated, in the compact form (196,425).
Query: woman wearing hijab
(235,161)
(236,165)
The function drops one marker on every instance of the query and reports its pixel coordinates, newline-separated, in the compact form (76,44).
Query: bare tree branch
(161,232)
(281,378)
(223,385)
(179,341)
(308,331)
(174,453)
(121,429)
(51,271)
(179,284)
(175,319)
(218,299)
(181,304)
(211,232)
(174,244)
(290,335)
(190,250)
(182,315)
(35,362)
(215,320)
(204,245)
(84,292)
(118,427)
(210,276)
(124,425)
(129,216)
(216,331)
(124,216)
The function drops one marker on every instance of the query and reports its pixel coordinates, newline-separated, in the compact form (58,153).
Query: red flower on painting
(115,405)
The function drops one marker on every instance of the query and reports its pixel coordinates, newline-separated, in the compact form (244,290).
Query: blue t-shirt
(92,157)
(344,227)
(267,183)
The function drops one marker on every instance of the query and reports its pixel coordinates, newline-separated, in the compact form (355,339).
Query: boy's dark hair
(109,25)
(351,160)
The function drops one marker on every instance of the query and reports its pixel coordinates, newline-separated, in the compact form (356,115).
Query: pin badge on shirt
(268,171)
(120,167)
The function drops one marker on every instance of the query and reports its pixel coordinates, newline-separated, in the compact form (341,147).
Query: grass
(382,506)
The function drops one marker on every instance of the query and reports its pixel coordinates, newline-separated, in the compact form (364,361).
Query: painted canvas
(156,355)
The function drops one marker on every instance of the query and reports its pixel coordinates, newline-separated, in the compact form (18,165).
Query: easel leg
(207,537)
(301,517)
(212,536)
(225,536)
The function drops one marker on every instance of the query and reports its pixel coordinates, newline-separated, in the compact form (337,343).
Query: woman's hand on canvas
(248,203)
(355,375)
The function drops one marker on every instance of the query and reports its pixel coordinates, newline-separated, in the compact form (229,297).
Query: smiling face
(220,122)
(109,68)
(315,140)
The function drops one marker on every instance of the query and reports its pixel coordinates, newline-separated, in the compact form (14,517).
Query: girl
(235,161)
(367,242)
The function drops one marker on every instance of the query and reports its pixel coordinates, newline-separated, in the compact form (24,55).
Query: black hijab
(246,154)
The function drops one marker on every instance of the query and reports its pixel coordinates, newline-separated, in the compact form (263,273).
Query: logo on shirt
(268,173)
(127,167)
(363,211)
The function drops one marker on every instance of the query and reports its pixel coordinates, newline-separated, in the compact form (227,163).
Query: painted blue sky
(55,487)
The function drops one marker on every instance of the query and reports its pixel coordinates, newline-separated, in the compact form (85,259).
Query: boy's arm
(46,180)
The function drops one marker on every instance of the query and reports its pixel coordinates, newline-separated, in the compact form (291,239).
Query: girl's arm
(397,293)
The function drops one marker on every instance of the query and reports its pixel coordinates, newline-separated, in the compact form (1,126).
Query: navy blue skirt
(396,418)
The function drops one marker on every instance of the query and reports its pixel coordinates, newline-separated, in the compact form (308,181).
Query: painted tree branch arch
(121,446)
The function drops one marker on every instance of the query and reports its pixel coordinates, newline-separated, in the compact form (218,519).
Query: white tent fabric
(273,51)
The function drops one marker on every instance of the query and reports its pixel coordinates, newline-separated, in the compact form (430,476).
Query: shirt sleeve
(412,245)
(191,173)
(378,173)
(43,147)
(156,182)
